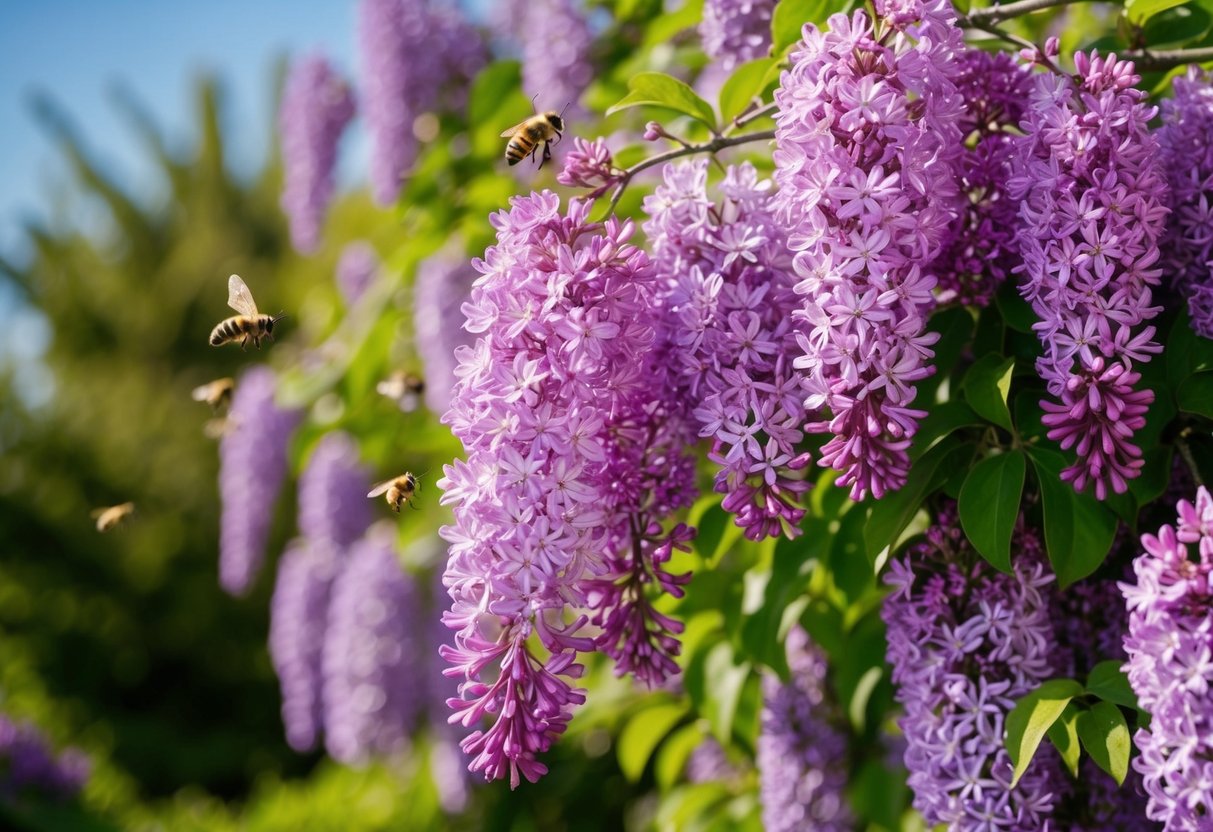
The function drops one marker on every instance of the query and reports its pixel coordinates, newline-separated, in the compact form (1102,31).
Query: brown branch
(1006,11)
(1150,60)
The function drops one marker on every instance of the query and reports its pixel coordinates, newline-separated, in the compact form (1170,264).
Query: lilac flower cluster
(802,754)
(736,31)
(411,50)
(563,432)
(589,165)
(316,107)
(979,251)
(1187,156)
(965,642)
(252,467)
(356,270)
(443,284)
(730,302)
(1092,209)
(1171,665)
(556,48)
(866,152)
(333,509)
(29,764)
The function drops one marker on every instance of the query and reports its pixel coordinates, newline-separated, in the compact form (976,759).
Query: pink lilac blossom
(736,31)
(965,642)
(1187,157)
(356,270)
(866,163)
(802,752)
(979,251)
(728,289)
(316,107)
(415,56)
(29,765)
(569,459)
(252,468)
(589,165)
(1170,667)
(1092,209)
(443,284)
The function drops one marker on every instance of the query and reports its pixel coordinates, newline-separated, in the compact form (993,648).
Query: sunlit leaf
(656,89)
(1032,716)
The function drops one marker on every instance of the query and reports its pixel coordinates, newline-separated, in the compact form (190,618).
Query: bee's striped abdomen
(227,330)
(518,148)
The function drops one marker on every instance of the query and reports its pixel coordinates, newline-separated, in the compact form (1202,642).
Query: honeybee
(525,136)
(218,427)
(398,490)
(109,517)
(404,388)
(249,325)
(217,393)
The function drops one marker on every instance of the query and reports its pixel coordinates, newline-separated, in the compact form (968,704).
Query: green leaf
(790,17)
(642,734)
(1078,528)
(1138,11)
(942,420)
(955,328)
(766,622)
(1195,395)
(989,506)
(1177,27)
(1105,736)
(656,89)
(1016,311)
(673,754)
(986,386)
(1107,680)
(1031,718)
(725,680)
(891,514)
(1064,735)
(858,706)
(744,85)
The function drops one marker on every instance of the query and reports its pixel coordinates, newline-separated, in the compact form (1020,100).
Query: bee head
(555,120)
(269,325)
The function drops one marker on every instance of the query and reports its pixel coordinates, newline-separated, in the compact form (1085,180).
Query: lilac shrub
(316,107)
(1092,208)
(728,290)
(736,31)
(561,488)
(28,764)
(965,642)
(866,163)
(1171,665)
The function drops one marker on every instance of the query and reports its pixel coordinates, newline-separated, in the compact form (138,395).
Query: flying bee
(111,516)
(217,393)
(398,490)
(249,325)
(218,427)
(525,136)
(404,388)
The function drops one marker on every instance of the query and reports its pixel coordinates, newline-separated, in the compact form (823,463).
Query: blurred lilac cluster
(1093,203)
(28,764)
(555,38)
(356,270)
(729,300)
(442,286)
(866,162)
(736,31)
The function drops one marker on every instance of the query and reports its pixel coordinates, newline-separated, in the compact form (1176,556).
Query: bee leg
(413,506)
(244,344)
(547,154)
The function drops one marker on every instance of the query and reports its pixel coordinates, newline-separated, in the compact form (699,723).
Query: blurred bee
(404,388)
(249,325)
(525,136)
(218,427)
(398,490)
(217,393)
(110,517)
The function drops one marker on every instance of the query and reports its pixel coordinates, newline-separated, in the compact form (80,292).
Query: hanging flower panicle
(443,284)
(736,31)
(28,764)
(356,270)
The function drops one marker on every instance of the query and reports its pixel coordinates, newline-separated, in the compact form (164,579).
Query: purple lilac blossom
(556,48)
(252,467)
(374,689)
(965,642)
(356,270)
(316,107)
(1092,209)
(979,251)
(867,147)
(736,31)
(802,753)
(28,764)
(1187,157)
(298,612)
(333,509)
(443,284)
(710,763)
(571,457)
(728,285)
(589,165)
(1170,667)
(412,51)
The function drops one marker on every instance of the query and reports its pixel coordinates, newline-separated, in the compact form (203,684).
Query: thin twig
(1006,11)
(1181,444)
(715,145)
(751,115)
(1150,60)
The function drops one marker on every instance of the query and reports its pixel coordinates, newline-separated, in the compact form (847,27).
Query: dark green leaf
(986,386)
(1105,736)
(1031,718)
(1177,27)
(879,795)
(1108,682)
(763,627)
(642,734)
(890,516)
(955,328)
(1195,395)
(1154,479)
(989,506)
(656,89)
(941,421)
(853,574)
(1016,311)
(1078,528)
(743,87)
(1064,735)
(1186,352)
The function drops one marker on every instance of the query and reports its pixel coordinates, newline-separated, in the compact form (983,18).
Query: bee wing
(202,393)
(239,297)
(381,488)
(508,133)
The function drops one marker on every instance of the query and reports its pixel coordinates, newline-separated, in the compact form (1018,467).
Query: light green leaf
(1139,11)
(791,15)
(656,89)
(858,706)
(989,506)
(672,756)
(642,734)
(1064,735)
(725,680)
(1031,718)
(986,385)
(1105,736)
(744,85)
